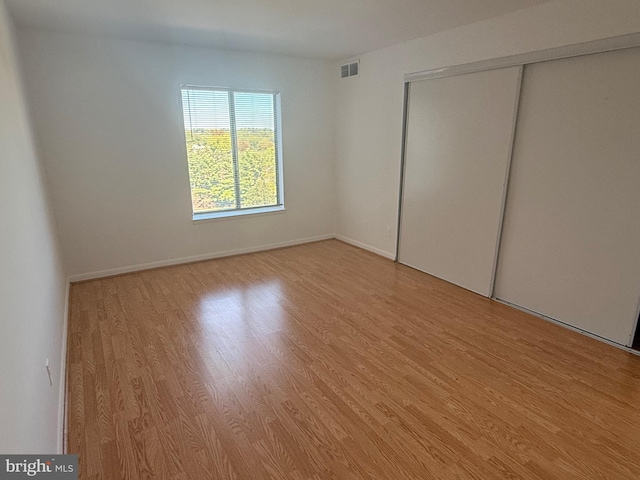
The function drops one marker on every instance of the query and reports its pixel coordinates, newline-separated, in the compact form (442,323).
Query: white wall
(368,123)
(32,283)
(108,122)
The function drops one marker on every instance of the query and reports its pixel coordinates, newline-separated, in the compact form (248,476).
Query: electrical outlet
(46,365)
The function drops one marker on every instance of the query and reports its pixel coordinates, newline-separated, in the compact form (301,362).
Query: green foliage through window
(232,149)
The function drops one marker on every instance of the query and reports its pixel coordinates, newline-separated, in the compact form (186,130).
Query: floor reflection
(233,322)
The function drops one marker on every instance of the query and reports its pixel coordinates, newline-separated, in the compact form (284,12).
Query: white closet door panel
(457,153)
(571,239)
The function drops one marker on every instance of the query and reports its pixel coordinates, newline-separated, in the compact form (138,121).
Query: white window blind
(233,150)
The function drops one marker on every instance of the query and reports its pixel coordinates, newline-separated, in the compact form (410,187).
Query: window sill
(198,217)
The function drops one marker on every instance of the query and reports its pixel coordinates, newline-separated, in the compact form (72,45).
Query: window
(233,151)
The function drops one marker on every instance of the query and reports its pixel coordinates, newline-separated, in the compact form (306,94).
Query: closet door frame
(521,60)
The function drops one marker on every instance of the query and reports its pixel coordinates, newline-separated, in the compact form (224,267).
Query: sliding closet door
(571,238)
(457,150)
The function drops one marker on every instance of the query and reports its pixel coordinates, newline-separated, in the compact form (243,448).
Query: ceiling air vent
(349,70)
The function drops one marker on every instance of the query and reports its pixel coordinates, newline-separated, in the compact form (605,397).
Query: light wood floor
(323,361)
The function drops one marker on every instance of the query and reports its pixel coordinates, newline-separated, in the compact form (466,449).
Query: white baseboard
(196,258)
(62,398)
(364,246)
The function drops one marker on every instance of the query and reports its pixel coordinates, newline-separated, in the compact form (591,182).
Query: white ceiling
(329,29)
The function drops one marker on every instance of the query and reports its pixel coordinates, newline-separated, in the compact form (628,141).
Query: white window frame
(228,213)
